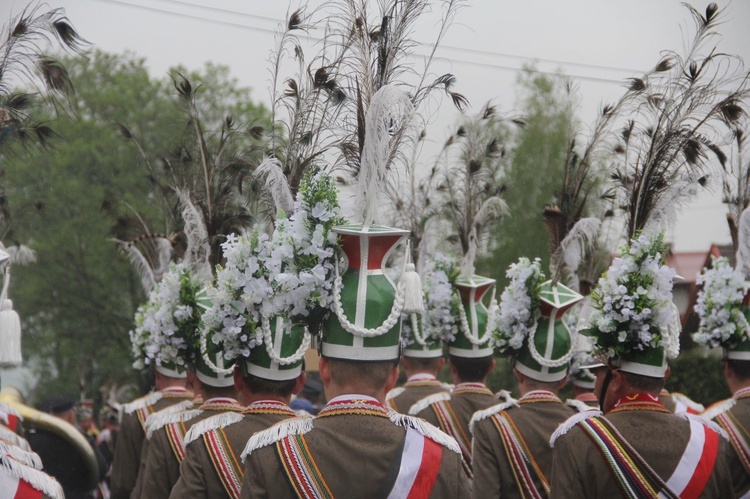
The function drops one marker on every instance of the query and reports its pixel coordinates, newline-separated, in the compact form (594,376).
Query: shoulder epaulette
(569,423)
(718,408)
(170,409)
(425,429)
(504,395)
(426,402)
(29,458)
(490,411)
(705,422)
(580,405)
(395,392)
(159,420)
(13,438)
(688,401)
(213,423)
(9,409)
(447,386)
(140,403)
(35,478)
(279,431)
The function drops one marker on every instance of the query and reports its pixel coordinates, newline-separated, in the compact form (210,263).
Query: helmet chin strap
(605,387)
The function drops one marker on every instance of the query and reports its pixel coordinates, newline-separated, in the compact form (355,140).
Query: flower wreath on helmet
(720,306)
(166,327)
(283,277)
(634,319)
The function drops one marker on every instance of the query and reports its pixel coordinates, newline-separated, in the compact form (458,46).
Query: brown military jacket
(199,477)
(736,422)
(535,416)
(660,438)
(677,403)
(162,469)
(401,399)
(452,413)
(356,448)
(127,457)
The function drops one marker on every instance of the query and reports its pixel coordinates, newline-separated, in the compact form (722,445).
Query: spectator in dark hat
(61,456)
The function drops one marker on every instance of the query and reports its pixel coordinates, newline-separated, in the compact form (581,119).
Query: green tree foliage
(535,176)
(78,301)
(698,376)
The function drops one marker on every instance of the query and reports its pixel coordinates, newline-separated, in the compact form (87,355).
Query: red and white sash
(697,461)
(420,463)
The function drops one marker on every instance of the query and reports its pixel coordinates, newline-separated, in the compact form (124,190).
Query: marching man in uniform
(637,447)
(511,455)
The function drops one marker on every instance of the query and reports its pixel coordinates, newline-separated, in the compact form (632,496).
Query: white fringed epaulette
(425,429)
(35,478)
(447,386)
(569,423)
(580,405)
(279,431)
(688,401)
(504,395)
(159,420)
(14,438)
(426,402)
(213,423)
(9,409)
(718,408)
(395,393)
(171,409)
(29,458)
(705,422)
(140,403)
(490,411)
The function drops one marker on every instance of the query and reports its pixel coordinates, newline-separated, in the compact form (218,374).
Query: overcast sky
(598,42)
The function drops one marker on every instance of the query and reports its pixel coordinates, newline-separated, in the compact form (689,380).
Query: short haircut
(644,383)
(535,384)
(741,368)
(422,364)
(471,370)
(270,387)
(373,375)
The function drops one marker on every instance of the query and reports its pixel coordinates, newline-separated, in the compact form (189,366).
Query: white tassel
(490,411)
(213,423)
(279,431)
(718,408)
(10,336)
(505,396)
(570,423)
(426,402)
(413,294)
(13,438)
(140,403)
(580,405)
(37,479)
(157,421)
(425,429)
(29,458)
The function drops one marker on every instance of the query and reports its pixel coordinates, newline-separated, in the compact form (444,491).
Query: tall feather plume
(664,211)
(149,269)
(743,246)
(493,208)
(198,250)
(276,184)
(573,248)
(21,254)
(389,109)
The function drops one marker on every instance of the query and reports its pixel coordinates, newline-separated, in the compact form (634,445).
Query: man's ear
(324,369)
(300,383)
(667,373)
(392,379)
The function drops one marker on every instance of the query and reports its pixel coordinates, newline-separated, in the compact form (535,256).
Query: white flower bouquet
(166,327)
(719,306)
(519,305)
(288,274)
(632,301)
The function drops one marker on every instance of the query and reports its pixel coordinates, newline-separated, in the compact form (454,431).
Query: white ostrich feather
(21,254)
(743,243)
(573,247)
(663,215)
(493,208)
(198,249)
(389,109)
(276,184)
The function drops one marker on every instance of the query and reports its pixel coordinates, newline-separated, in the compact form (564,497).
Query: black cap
(57,403)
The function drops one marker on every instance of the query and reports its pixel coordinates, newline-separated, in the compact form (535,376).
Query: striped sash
(420,463)
(451,424)
(225,461)
(520,457)
(301,469)
(738,436)
(143,413)
(176,435)
(634,476)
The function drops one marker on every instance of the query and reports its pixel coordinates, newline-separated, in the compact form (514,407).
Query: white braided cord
(265,325)
(479,340)
(549,362)
(209,362)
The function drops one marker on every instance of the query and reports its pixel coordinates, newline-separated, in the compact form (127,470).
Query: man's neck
(737,385)
(333,391)
(165,382)
(251,398)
